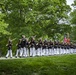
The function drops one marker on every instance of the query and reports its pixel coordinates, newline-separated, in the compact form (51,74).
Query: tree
(73,22)
(32,16)
(3,32)
(3,25)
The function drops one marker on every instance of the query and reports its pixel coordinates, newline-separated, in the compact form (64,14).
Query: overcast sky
(69,2)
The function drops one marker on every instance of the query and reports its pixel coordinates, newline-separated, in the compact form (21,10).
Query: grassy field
(46,65)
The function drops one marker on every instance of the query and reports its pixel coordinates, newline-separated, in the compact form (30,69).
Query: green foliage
(3,25)
(73,18)
(3,32)
(50,65)
(33,14)
(73,22)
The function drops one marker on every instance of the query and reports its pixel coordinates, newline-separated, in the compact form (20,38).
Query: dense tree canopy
(35,17)
(73,21)
(3,25)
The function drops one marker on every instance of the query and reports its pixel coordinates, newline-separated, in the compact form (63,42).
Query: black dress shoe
(6,57)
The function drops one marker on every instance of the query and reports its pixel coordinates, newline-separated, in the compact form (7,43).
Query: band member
(62,48)
(71,47)
(65,38)
(36,49)
(18,48)
(68,40)
(39,50)
(67,48)
(55,47)
(49,48)
(27,47)
(59,47)
(45,48)
(75,48)
(23,46)
(32,47)
(9,45)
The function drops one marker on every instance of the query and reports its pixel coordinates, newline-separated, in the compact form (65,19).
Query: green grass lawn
(46,65)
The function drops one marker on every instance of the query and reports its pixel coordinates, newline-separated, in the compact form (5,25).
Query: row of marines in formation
(40,48)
